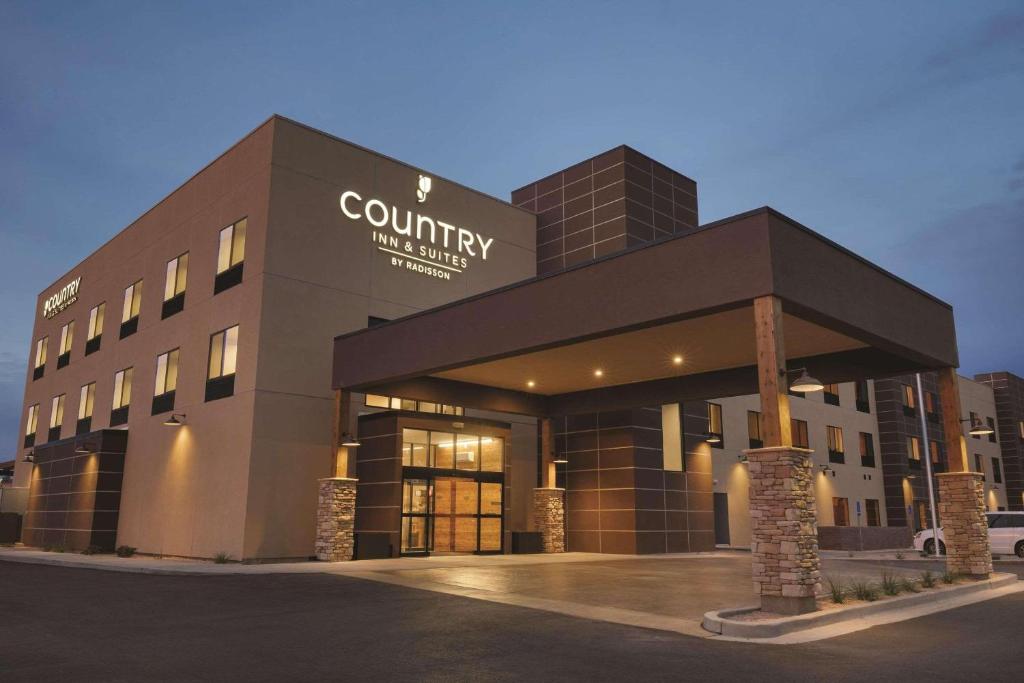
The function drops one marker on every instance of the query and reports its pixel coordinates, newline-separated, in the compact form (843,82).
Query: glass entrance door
(456,502)
(416,504)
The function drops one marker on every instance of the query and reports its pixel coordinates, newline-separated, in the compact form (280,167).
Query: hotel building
(311,349)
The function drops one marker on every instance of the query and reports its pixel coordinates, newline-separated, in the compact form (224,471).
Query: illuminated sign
(62,299)
(413,241)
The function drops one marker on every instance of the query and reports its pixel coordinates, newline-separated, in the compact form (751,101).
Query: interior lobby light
(175,420)
(349,441)
(805,383)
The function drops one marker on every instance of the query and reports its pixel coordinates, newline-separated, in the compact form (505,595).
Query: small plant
(927,579)
(58,548)
(221,558)
(835,587)
(849,553)
(125,551)
(862,590)
(47,548)
(92,550)
(949,576)
(899,556)
(890,584)
(908,586)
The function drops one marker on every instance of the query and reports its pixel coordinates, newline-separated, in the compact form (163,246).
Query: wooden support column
(547,454)
(344,422)
(776,428)
(949,406)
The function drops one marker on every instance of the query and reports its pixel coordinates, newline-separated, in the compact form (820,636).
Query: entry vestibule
(741,303)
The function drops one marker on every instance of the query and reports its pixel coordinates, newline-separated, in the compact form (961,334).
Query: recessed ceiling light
(678,360)
(598,373)
(531,383)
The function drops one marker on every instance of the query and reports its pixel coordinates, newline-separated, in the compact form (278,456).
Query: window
(979,466)
(230,257)
(930,403)
(991,425)
(130,309)
(174,286)
(220,375)
(997,471)
(1020,430)
(872,509)
(799,428)
(715,425)
(860,389)
(974,421)
(31,425)
(85,405)
(447,451)
(64,352)
(754,429)
(122,397)
(832,394)
(914,451)
(94,334)
(840,512)
(166,382)
(935,453)
(909,401)
(56,417)
(867,450)
(40,359)
(836,452)
(393,403)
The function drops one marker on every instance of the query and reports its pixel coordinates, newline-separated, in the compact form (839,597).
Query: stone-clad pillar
(336,519)
(549,518)
(783,533)
(964,525)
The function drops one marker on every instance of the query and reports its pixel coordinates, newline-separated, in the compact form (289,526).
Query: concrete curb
(719,622)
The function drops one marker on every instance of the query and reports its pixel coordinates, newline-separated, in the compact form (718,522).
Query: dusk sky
(895,129)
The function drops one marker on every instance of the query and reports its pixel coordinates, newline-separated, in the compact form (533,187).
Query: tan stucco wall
(978,397)
(730,475)
(240,477)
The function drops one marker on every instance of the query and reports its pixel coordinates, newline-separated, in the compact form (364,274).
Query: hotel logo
(414,241)
(62,299)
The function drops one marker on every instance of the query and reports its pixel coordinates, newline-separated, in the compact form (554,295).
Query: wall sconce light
(742,457)
(977,428)
(175,420)
(84,448)
(30,457)
(826,468)
(349,441)
(560,460)
(711,437)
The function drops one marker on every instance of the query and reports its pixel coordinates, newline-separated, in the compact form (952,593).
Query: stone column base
(964,525)
(549,518)
(784,531)
(336,519)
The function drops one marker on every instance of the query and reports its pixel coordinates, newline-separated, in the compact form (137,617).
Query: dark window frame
(867,459)
(129,327)
(163,403)
(220,387)
(93,345)
(229,278)
(172,306)
(119,416)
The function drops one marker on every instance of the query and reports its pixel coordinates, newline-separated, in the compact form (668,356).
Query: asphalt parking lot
(65,624)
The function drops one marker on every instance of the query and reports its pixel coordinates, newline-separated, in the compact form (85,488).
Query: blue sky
(892,128)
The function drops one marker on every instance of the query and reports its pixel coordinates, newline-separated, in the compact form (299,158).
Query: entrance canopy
(666,321)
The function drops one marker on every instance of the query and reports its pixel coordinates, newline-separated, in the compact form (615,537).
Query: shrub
(125,551)
(222,558)
(890,584)
(908,586)
(949,576)
(927,579)
(58,548)
(899,556)
(835,587)
(92,550)
(862,590)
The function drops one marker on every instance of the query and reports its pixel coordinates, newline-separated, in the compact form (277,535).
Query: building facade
(180,400)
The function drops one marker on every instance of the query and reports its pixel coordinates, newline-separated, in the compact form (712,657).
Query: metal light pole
(928,465)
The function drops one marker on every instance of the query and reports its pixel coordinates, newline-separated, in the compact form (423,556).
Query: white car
(1005,535)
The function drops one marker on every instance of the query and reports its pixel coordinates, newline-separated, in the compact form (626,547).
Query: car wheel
(929,547)
(1019,549)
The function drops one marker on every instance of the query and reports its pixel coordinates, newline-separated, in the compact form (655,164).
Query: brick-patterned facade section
(964,524)
(549,518)
(620,498)
(606,204)
(784,535)
(895,425)
(335,520)
(1009,394)
(74,499)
